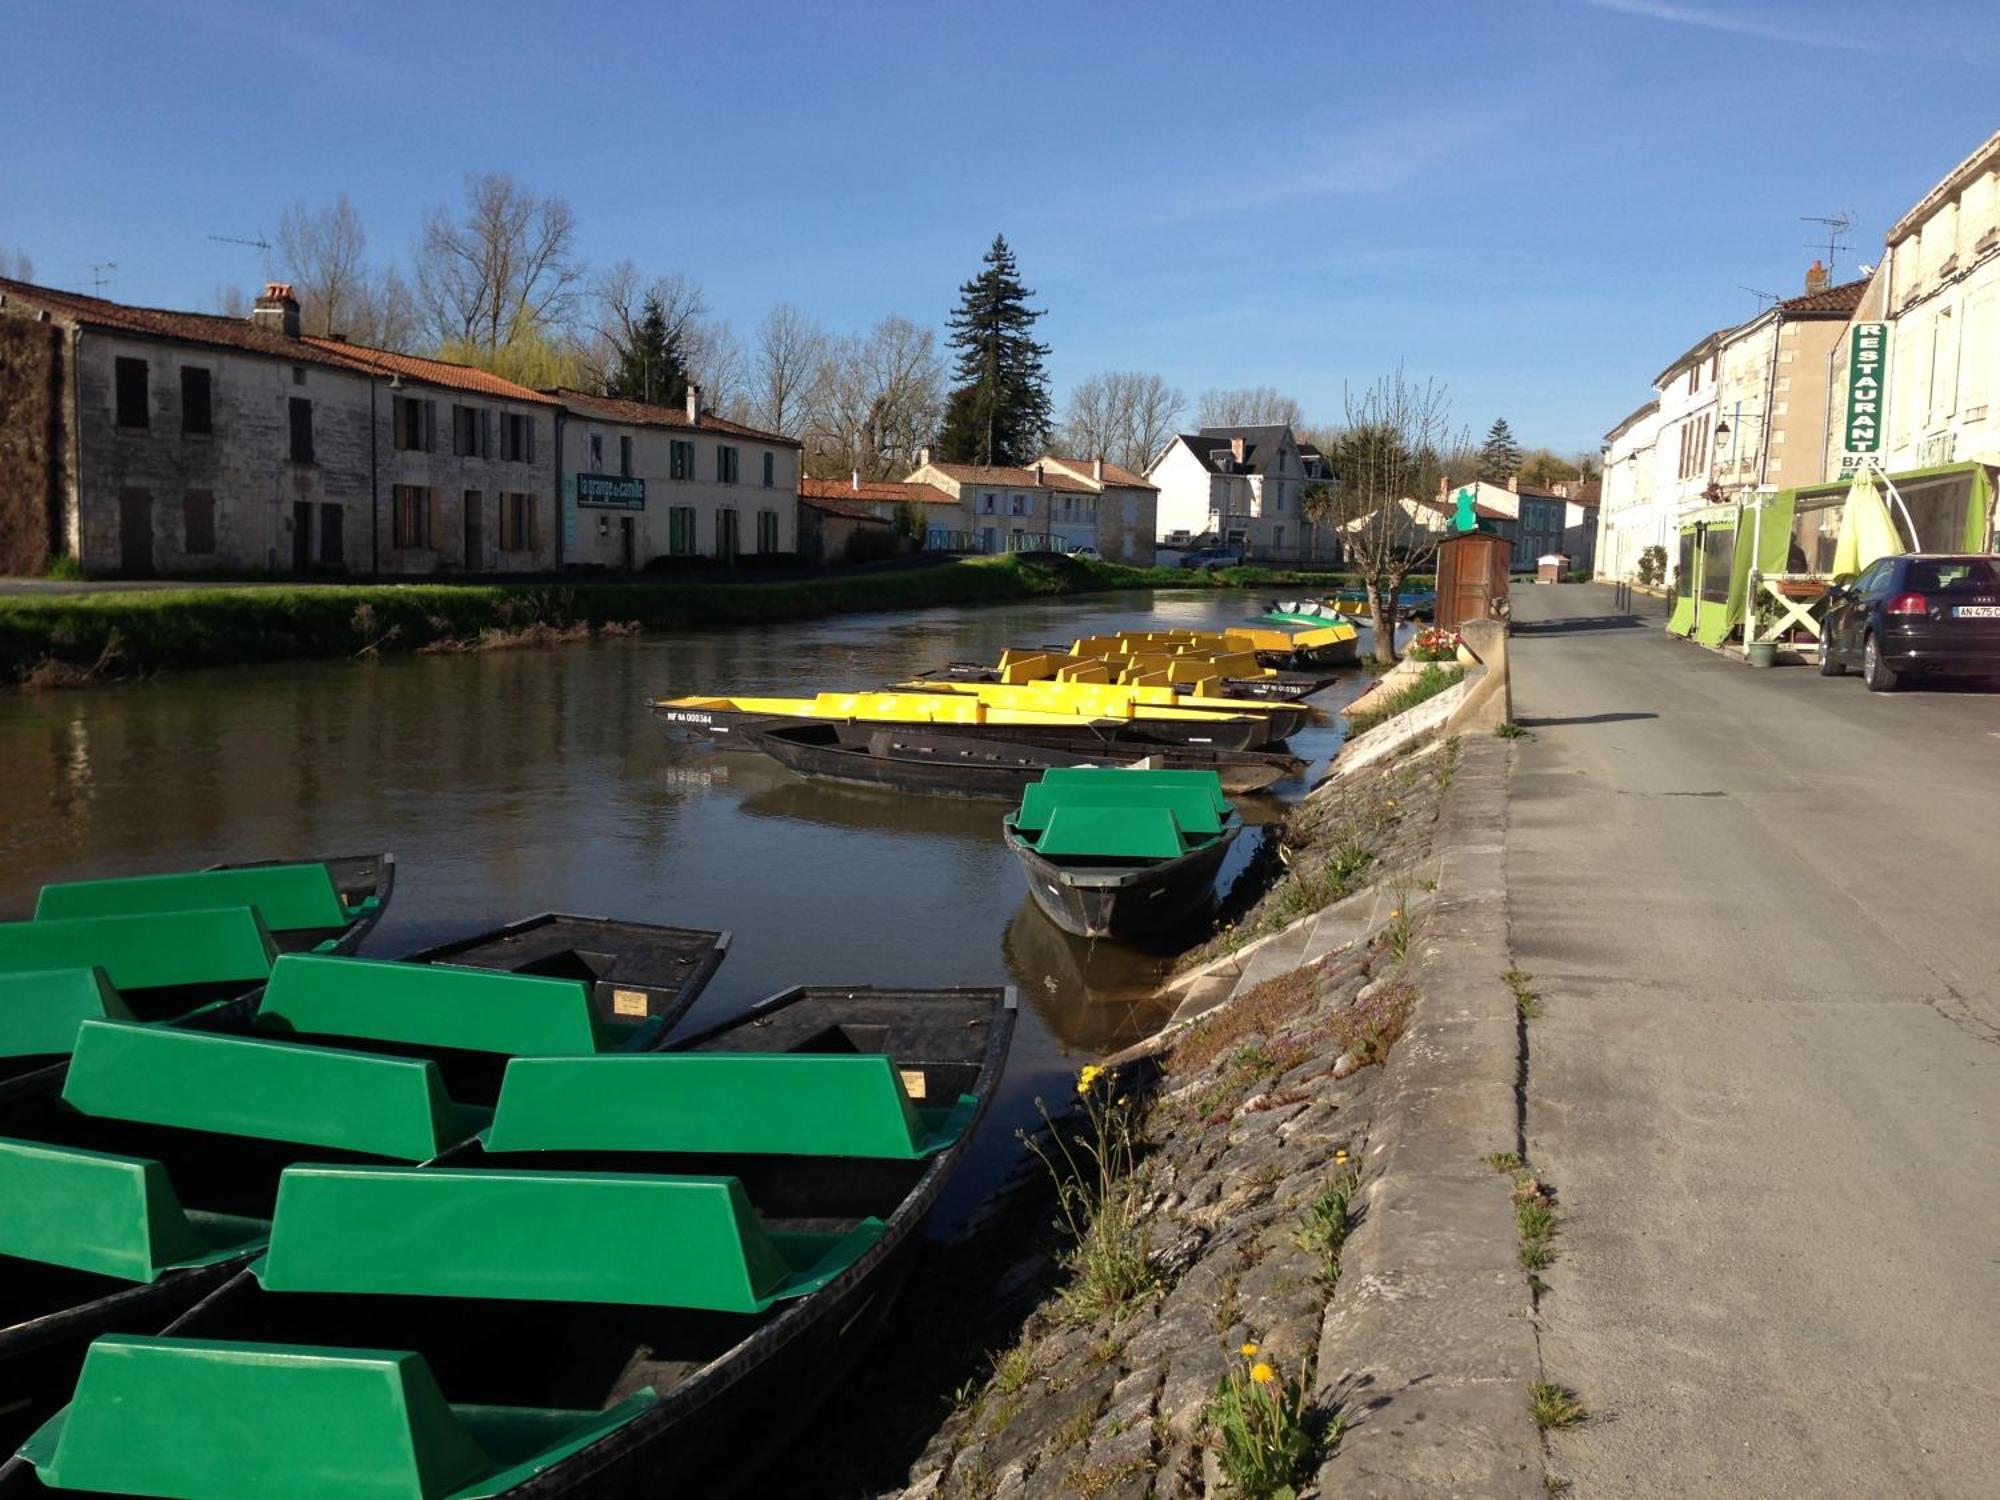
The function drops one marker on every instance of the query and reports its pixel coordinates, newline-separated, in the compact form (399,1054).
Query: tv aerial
(260,244)
(1838,227)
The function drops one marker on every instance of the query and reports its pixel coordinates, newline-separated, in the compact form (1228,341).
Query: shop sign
(610,492)
(1867,357)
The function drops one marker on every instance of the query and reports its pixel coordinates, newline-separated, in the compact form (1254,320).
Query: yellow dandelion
(1087,1077)
(1262,1373)
(1248,1351)
(1340,1157)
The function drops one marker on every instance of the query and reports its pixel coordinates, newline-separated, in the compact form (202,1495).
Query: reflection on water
(523,781)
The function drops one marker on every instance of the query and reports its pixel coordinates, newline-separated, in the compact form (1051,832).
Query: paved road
(1762,909)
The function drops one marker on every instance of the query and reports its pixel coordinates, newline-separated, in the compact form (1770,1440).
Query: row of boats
(486,1220)
(1223,702)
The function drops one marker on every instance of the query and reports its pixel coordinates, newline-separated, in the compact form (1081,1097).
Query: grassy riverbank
(69,638)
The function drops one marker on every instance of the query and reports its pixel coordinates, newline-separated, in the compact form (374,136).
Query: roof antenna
(1764,299)
(260,244)
(1838,226)
(98,275)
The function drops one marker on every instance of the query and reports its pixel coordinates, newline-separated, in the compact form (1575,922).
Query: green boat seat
(243,1421)
(40,1010)
(222,945)
(112,1215)
(1191,802)
(1111,833)
(797,1104)
(433,1005)
(627,1238)
(290,898)
(271,1090)
(1208,781)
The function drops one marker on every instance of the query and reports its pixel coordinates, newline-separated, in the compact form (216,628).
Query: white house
(641,481)
(1631,517)
(1242,487)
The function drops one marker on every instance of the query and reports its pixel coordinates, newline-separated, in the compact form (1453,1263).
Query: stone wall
(31,437)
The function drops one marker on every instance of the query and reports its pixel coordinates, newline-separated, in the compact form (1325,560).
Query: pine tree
(651,367)
(999,413)
(1499,455)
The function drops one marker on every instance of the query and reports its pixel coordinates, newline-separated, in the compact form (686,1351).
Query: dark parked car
(1212,558)
(1926,614)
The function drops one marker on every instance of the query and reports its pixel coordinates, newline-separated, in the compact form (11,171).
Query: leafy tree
(1499,455)
(999,413)
(650,366)
(1543,468)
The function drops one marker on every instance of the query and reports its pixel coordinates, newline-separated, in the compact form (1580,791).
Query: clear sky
(1539,203)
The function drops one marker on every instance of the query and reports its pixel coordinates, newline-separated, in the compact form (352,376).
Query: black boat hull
(950,766)
(1248,733)
(1113,901)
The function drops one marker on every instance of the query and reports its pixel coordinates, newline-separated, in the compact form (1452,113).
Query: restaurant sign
(1866,358)
(610,492)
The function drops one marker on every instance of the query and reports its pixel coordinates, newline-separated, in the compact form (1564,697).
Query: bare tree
(716,363)
(1397,445)
(1256,406)
(228,300)
(323,253)
(1093,422)
(1155,412)
(1125,416)
(501,269)
(878,398)
(788,356)
(17,265)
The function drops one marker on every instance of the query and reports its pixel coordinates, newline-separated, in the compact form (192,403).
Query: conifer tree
(651,367)
(1499,455)
(999,412)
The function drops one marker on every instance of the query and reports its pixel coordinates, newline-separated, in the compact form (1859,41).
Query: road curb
(1430,1348)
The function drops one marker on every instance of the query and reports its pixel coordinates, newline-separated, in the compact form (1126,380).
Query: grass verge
(1427,684)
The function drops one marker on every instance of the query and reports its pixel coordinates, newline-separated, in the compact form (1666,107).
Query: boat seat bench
(1192,804)
(40,1011)
(303,1421)
(795,1104)
(632,1238)
(147,951)
(1111,833)
(290,898)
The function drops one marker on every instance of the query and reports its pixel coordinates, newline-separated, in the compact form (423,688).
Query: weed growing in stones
(1555,1406)
(1260,1428)
(1097,1200)
(1535,1219)
(1400,925)
(1504,1162)
(1012,1370)
(1426,685)
(1369,1028)
(1509,730)
(1328,1220)
(1526,1001)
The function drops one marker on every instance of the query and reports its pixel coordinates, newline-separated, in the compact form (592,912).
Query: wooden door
(302,536)
(135,533)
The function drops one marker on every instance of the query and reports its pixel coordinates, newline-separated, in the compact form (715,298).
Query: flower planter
(1761,653)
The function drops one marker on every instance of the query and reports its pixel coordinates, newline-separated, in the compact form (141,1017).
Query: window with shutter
(198,522)
(195,405)
(302,430)
(770,470)
(433,518)
(131,393)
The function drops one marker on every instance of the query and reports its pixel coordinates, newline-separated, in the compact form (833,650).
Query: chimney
(1514,483)
(277,311)
(1236,448)
(1038,471)
(1818,278)
(924,456)
(1097,468)
(694,403)
(854,480)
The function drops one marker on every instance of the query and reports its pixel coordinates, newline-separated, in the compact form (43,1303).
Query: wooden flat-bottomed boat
(1120,853)
(648,1269)
(1102,699)
(947,765)
(143,1174)
(158,947)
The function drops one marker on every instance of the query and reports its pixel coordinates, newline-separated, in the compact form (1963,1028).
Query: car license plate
(1978,612)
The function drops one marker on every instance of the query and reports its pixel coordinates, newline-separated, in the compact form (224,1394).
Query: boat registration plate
(1978,612)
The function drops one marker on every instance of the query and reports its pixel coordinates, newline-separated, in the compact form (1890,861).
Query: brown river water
(513,782)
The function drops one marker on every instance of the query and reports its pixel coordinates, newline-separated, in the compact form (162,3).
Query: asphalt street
(1760,908)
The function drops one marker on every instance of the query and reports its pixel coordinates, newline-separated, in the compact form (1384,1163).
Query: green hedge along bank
(71,637)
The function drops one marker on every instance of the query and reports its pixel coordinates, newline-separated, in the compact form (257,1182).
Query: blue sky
(1539,204)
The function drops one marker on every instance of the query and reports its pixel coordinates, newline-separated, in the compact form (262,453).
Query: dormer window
(1222,458)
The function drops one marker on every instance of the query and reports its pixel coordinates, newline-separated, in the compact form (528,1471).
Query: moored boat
(650,1267)
(719,717)
(160,947)
(947,765)
(1095,699)
(1115,853)
(152,1173)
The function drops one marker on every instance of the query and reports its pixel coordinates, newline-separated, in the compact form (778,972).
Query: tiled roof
(879,491)
(215,331)
(646,414)
(1841,299)
(996,474)
(1114,474)
(847,508)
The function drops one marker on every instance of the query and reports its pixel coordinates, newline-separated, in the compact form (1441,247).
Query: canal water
(514,782)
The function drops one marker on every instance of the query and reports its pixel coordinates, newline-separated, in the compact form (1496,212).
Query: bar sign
(1866,360)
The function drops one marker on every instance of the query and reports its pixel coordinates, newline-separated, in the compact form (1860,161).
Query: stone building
(1053,504)
(641,481)
(937,513)
(161,442)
